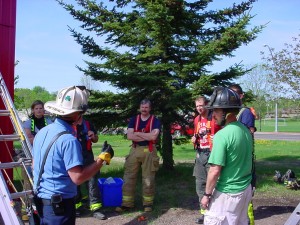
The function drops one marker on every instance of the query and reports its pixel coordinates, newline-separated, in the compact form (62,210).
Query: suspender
(147,129)
(45,157)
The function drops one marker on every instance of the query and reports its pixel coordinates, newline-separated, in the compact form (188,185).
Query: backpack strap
(240,112)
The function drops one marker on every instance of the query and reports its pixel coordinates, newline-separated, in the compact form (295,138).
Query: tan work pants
(140,156)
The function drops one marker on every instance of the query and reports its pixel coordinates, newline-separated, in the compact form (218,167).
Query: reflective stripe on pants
(140,156)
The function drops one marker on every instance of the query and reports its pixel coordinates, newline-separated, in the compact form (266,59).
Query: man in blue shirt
(245,116)
(63,169)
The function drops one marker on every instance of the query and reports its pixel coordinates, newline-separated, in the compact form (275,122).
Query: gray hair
(145,101)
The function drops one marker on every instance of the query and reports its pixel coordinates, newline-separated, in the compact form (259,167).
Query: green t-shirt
(232,149)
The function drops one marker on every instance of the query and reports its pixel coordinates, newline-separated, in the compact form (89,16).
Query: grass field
(270,156)
(283,125)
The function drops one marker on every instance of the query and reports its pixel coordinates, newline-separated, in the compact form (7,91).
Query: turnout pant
(140,157)
(91,185)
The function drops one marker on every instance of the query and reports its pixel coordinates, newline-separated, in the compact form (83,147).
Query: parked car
(178,130)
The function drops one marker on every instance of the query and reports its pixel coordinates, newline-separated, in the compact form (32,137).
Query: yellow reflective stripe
(78,205)
(85,197)
(32,125)
(127,198)
(148,198)
(202,211)
(95,206)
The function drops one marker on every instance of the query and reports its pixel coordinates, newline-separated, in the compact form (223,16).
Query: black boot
(98,215)
(200,220)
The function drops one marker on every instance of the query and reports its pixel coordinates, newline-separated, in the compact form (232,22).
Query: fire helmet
(224,98)
(69,100)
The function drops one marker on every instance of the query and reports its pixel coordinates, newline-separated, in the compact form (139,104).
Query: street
(283,136)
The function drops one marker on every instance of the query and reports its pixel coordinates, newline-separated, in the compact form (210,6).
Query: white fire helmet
(69,100)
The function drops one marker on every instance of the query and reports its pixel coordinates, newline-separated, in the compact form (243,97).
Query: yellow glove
(105,157)
(107,153)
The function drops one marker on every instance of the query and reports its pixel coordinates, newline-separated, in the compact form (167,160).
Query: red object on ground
(142,218)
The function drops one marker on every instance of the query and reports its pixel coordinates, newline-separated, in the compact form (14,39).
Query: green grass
(178,186)
(284,125)
(276,155)
(270,156)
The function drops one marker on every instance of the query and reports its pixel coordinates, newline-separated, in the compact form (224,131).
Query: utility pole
(276,103)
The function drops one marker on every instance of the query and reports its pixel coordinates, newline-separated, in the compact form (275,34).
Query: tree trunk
(167,149)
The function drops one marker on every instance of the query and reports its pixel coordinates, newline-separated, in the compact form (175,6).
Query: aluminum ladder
(7,203)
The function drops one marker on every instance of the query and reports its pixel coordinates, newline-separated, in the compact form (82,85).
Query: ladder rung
(10,137)
(20,194)
(4,113)
(11,165)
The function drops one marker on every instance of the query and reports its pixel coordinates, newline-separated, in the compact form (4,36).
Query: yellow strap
(78,205)
(95,206)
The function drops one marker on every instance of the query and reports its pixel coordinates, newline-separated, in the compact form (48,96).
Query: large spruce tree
(160,50)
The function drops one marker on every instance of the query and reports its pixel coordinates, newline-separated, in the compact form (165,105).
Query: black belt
(203,150)
(66,201)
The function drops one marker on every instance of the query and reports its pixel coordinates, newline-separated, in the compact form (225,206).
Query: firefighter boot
(123,209)
(148,208)
(200,220)
(98,215)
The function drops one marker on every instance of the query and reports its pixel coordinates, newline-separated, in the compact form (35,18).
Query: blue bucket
(111,193)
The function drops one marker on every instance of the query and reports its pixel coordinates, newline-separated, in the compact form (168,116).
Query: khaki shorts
(228,209)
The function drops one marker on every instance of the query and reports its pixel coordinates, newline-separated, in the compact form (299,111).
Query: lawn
(270,156)
(283,125)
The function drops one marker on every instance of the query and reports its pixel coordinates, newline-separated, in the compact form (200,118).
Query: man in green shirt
(228,190)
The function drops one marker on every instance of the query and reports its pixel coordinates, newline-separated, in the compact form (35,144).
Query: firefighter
(143,130)
(62,170)
(36,120)
(247,117)
(32,126)
(86,134)
(228,189)
(204,130)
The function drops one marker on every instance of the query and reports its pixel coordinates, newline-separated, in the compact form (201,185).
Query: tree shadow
(262,212)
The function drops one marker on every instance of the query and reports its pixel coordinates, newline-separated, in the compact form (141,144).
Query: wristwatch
(207,195)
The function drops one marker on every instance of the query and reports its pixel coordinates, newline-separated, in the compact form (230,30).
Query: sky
(48,54)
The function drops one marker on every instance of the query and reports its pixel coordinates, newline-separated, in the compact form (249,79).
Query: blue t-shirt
(247,118)
(143,124)
(64,154)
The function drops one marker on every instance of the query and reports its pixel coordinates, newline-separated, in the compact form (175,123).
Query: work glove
(107,153)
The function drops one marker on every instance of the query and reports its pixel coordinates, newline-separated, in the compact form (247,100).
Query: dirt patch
(266,212)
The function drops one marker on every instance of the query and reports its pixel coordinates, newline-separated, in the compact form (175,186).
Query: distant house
(285,113)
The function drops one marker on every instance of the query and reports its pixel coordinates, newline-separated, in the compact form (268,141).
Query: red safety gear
(86,128)
(147,129)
